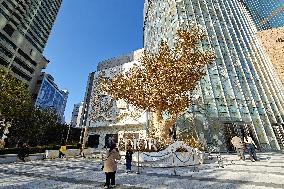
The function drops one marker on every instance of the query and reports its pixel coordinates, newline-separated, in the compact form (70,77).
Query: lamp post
(147,123)
(68,132)
(137,147)
(138,171)
(194,99)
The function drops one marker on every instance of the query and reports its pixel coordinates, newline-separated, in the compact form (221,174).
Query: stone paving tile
(90,183)
(82,173)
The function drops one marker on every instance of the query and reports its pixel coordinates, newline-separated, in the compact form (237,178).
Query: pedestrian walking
(128,158)
(81,153)
(110,165)
(239,146)
(250,146)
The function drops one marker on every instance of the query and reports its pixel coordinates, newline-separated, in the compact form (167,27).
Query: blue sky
(87,32)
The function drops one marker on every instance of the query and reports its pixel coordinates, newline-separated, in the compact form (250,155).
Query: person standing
(23,151)
(81,153)
(250,145)
(173,132)
(238,144)
(110,165)
(62,150)
(128,158)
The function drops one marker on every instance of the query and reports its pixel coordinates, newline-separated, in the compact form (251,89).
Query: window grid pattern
(240,85)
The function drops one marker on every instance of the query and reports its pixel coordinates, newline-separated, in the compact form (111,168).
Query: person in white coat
(238,144)
(110,165)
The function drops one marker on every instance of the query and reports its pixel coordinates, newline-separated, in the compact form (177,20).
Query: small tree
(37,127)
(162,81)
(14,96)
(15,101)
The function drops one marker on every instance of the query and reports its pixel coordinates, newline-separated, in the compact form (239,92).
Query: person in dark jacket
(23,151)
(251,146)
(128,158)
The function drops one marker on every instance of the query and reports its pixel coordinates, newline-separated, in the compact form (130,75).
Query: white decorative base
(169,157)
(51,154)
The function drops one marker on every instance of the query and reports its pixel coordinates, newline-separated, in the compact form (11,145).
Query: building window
(9,29)
(3,62)
(20,73)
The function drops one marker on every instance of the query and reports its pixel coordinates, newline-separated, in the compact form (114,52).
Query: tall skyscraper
(25,26)
(86,111)
(266,14)
(273,42)
(47,95)
(77,114)
(240,93)
(269,19)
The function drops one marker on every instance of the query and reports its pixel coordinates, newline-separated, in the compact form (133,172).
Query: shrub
(34,150)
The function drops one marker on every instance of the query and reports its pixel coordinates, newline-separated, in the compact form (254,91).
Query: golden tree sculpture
(162,81)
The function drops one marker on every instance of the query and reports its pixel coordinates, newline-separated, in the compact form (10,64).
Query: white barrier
(9,158)
(169,157)
(51,154)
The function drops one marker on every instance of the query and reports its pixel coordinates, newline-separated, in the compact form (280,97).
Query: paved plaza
(86,173)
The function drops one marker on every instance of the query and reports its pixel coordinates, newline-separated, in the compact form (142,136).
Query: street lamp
(194,99)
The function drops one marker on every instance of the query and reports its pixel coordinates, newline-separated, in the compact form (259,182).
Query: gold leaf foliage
(162,81)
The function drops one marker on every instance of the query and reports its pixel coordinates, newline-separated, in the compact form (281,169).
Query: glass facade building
(241,89)
(24,29)
(49,96)
(266,14)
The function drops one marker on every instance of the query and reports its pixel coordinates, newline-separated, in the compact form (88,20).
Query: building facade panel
(273,43)
(25,26)
(101,110)
(77,115)
(266,14)
(48,95)
(240,86)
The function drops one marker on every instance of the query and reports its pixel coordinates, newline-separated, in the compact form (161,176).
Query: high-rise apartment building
(241,92)
(266,14)
(24,29)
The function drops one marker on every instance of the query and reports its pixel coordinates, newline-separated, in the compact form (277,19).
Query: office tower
(77,114)
(25,26)
(273,42)
(269,19)
(266,14)
(240,93)
(48,95)
(86,112)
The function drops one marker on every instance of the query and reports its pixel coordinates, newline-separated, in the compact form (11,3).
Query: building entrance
(240,129)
